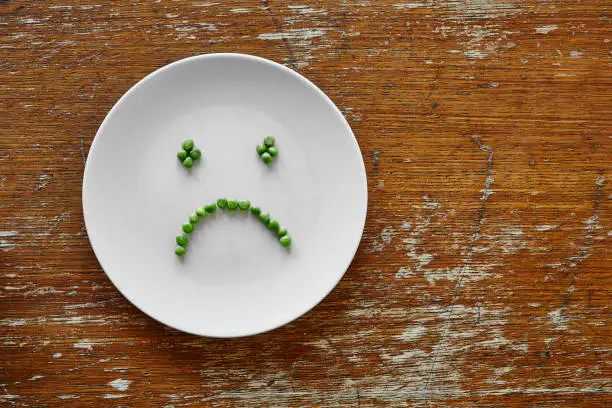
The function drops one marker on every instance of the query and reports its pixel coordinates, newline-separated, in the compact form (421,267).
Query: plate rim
(122,100)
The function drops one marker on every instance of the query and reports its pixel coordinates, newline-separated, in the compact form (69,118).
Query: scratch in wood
(433,84)
(292,373)
(546,353)
(557,315)
(83,152)
(591,225)
(278,29)
(468,257)
(293,366)
(375,160)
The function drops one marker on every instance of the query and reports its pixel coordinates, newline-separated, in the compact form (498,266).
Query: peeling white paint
(469,274)
(303,33)
(418,357)
(479,9)
(546,227)
(13,322)
(408,5)
(6,245)
(114,396)
(412,333)
(68,396)
(558,319)
(46,290)
(476,54)
(302,9)
(403,273)
(120,384)
(36,377)
(546,29)
(85,344)
(387,234)
(57,355)
(85,305)
(510,240)
(575,54)
(9,396)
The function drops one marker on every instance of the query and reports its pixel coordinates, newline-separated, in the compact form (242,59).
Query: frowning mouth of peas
(231,205)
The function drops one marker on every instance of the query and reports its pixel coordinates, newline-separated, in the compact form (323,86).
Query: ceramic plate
(235,279)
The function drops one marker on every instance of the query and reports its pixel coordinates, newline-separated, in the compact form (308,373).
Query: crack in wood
(468,257)
(584,252)
(83,158)
(278,29)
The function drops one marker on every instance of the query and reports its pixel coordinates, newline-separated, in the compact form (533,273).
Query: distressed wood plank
(483,277)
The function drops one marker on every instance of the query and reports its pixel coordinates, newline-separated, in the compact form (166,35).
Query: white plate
(236,279)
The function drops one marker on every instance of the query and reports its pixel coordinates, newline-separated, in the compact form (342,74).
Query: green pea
(195,154)
(188,145)
(260,149)
(268,141)
(201,212)
(232,204)
(182,155)
(281,232)
(266,157)
(285,240)
(211,208)
(273,225)
(221,203)
(182,240)
(244,205)
(256,210)
(188,162)
(264,217)
(193,218)
(273,151)
(179,250)
(188,228)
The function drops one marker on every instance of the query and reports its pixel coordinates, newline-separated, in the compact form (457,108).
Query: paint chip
(546,29)
(120,384)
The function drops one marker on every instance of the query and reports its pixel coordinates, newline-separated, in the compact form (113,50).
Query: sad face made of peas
(188,155)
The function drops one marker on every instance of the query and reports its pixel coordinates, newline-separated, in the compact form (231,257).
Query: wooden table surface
(483,277)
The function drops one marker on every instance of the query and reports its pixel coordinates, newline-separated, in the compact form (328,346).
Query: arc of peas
(273,225)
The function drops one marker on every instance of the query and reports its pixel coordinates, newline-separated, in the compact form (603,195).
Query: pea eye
(188,155)
(267,150)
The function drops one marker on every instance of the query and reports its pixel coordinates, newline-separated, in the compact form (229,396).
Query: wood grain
(483,278)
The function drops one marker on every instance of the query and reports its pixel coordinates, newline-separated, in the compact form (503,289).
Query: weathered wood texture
(483,278)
